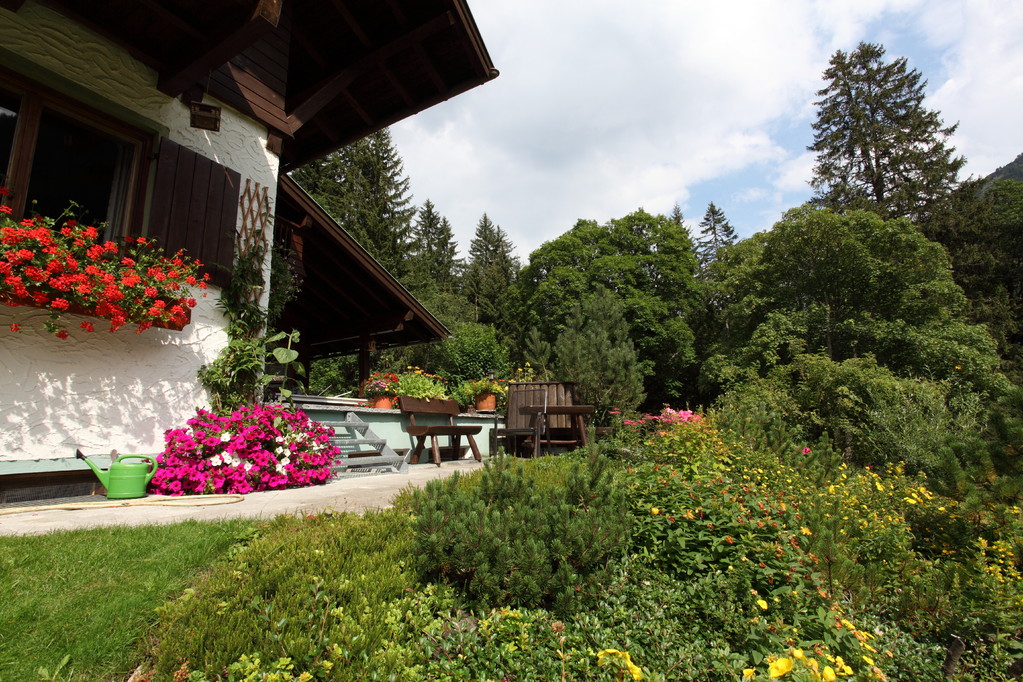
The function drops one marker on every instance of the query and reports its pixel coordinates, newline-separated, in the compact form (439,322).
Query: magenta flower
(260,447)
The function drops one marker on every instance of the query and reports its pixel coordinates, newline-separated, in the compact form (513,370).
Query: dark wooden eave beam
(372,326)
(352,22)
(477,51)
(398,14)
(303,157)
(299,38)
(406,95)
(431,70)
(311,102)
(263,20)
(359,109)
(172,20)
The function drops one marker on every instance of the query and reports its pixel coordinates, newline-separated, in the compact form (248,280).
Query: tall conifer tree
(491,270)
(715,232)
(433,252)
(878,148)
(596,352)
(364,187)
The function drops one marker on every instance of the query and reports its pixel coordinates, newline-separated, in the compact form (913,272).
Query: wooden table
(542,421)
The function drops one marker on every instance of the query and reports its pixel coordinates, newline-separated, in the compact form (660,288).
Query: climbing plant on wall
(237,376)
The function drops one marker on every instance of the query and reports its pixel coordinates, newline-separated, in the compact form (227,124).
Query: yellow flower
(748,673)
(798,654)
(607,655)
(868,660)
(805,531)
(655,511)
(762,604)
(829,674)
(780,667)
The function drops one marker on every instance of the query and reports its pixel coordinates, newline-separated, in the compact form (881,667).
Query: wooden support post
(363,363)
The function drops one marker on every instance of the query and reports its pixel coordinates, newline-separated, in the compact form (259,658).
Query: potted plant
(381,389)
(484,394)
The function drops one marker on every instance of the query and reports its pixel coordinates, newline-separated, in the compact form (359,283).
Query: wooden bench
(416,406)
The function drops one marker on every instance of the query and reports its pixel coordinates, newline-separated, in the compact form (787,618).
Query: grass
(90,595)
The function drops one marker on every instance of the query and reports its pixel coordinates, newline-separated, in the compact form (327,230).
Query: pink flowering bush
(667,416)
(260,447)
(673,436)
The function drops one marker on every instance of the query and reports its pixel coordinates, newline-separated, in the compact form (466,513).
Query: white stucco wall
(123,390)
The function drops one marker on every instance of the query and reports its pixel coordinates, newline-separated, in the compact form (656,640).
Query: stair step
(357,441)
(353,433)
(354,426)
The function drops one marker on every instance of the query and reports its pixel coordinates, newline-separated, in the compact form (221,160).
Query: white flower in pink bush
(260,447)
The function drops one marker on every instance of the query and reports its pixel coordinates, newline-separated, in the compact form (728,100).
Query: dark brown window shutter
(195,208)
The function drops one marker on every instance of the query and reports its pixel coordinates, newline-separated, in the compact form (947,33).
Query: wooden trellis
(255,205)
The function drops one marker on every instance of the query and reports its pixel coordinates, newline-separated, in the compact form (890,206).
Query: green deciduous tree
(364,188)
(596,353)
(878,147)
(647,263)
(473,352)
(846,286)
(981,226)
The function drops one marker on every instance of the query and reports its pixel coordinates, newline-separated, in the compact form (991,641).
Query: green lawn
(90,594)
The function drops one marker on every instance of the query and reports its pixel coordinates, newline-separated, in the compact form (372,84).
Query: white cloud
(599,110)
(793,175)
(984,90)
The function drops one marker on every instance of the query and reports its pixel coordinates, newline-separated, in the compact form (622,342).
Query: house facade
(176,119)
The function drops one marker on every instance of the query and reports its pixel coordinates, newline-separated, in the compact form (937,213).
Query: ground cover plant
(309,595)
(90,595)
(741,561)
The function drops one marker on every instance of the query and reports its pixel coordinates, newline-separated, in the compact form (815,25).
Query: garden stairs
(361,449)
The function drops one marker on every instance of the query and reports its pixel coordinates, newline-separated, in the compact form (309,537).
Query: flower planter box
(14,302)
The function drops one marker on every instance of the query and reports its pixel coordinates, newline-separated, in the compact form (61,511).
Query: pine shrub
(510,541)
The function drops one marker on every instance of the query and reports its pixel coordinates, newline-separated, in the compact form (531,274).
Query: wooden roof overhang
(319,73)
(348,301)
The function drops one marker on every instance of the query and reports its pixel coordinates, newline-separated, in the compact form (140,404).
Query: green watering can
(124,480)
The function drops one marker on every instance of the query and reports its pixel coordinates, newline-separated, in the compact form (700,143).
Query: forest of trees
(886,312)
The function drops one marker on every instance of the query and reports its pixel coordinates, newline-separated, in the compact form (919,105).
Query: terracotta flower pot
(382,402)
(486,402)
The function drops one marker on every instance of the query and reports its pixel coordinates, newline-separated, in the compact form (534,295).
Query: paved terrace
(358,493)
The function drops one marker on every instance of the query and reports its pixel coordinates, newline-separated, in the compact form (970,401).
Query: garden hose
(161,500)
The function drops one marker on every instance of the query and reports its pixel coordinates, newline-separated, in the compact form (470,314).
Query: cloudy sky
(603,107)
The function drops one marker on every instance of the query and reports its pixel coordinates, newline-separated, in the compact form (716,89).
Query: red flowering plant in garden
(259,447)
(69,269)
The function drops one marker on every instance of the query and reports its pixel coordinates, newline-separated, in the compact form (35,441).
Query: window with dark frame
(56,152)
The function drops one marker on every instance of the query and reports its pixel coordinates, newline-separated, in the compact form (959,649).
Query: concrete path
(346,494)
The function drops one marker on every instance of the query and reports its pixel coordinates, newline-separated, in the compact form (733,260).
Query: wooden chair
(520,425)
(416,406)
